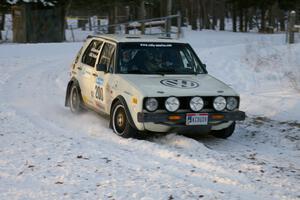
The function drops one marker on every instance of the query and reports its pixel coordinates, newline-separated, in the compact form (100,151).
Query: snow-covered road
(48,153)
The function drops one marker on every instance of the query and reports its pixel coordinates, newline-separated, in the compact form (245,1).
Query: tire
(224,133)
(75,101)
(120,123)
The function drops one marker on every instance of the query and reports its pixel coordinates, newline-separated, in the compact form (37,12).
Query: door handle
(80,68)
(94,74)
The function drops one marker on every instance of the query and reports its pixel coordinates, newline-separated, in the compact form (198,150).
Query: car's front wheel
(120,123)
(224,133)
(75,100)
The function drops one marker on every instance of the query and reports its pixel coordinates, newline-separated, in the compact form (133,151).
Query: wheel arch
(128,114)
(70,84)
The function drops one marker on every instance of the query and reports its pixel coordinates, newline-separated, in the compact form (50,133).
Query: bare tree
(214,13)
(246,19)
(241,19)
(250,18)
(193,14)
(111,19)
(222,14)
(263,11)
(142,15)
(271,15)
(234,17)
(2,20)
(281,20)
(204,11)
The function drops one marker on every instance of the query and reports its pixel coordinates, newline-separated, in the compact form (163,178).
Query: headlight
(172,104)
(151,104)
(220,103)
(196,104)
(232,103)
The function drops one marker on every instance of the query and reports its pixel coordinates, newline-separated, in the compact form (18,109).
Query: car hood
(178,85)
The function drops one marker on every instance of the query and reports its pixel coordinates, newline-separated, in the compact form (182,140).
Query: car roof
(118,38)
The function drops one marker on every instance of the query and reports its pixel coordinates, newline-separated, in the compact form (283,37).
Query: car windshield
(157,58)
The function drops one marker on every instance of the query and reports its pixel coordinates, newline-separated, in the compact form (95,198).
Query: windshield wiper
(165,71)
(135,71)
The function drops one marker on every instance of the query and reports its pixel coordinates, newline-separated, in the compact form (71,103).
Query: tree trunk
(298,12)
(90,24)
(184,13)
(189,12)
(127,18)
(282,20)
(277,12)
(214,14)
(64,22)
(222,15)
(142,15)
(204,10)
(111,19)
(272,16)
(234,19)
(250,18)
(193,15)
(168,22)
(116,19)
(246,14)
(262,20)
(163,5)
(292,21)
(241,20)
(200,15)
(2,20)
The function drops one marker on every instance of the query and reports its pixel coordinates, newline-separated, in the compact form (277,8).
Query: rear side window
(91,53)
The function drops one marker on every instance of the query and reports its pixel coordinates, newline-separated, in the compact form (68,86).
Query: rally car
(150,84)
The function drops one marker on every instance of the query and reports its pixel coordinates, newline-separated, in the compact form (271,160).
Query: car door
(102,80)
(86,69)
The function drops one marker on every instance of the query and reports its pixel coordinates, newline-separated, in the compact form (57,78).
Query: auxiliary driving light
(196,104)
(151,104)
(219,103)
(232,103)
(172,104)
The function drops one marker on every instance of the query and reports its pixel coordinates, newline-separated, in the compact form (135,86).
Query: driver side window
(186,60)
(107,56)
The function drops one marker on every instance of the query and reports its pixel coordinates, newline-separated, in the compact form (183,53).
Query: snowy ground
(48,153)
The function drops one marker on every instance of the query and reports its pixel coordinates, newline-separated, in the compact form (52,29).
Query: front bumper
(168,118)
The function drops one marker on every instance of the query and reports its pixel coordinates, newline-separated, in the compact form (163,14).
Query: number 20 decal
(99,92)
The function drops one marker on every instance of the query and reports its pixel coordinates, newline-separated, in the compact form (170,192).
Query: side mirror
(101,67)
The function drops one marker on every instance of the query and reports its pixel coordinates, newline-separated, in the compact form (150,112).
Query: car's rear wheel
(120,123)
(75,100)
(224,133)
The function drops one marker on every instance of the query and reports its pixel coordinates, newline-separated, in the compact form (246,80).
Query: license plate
(196,119)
